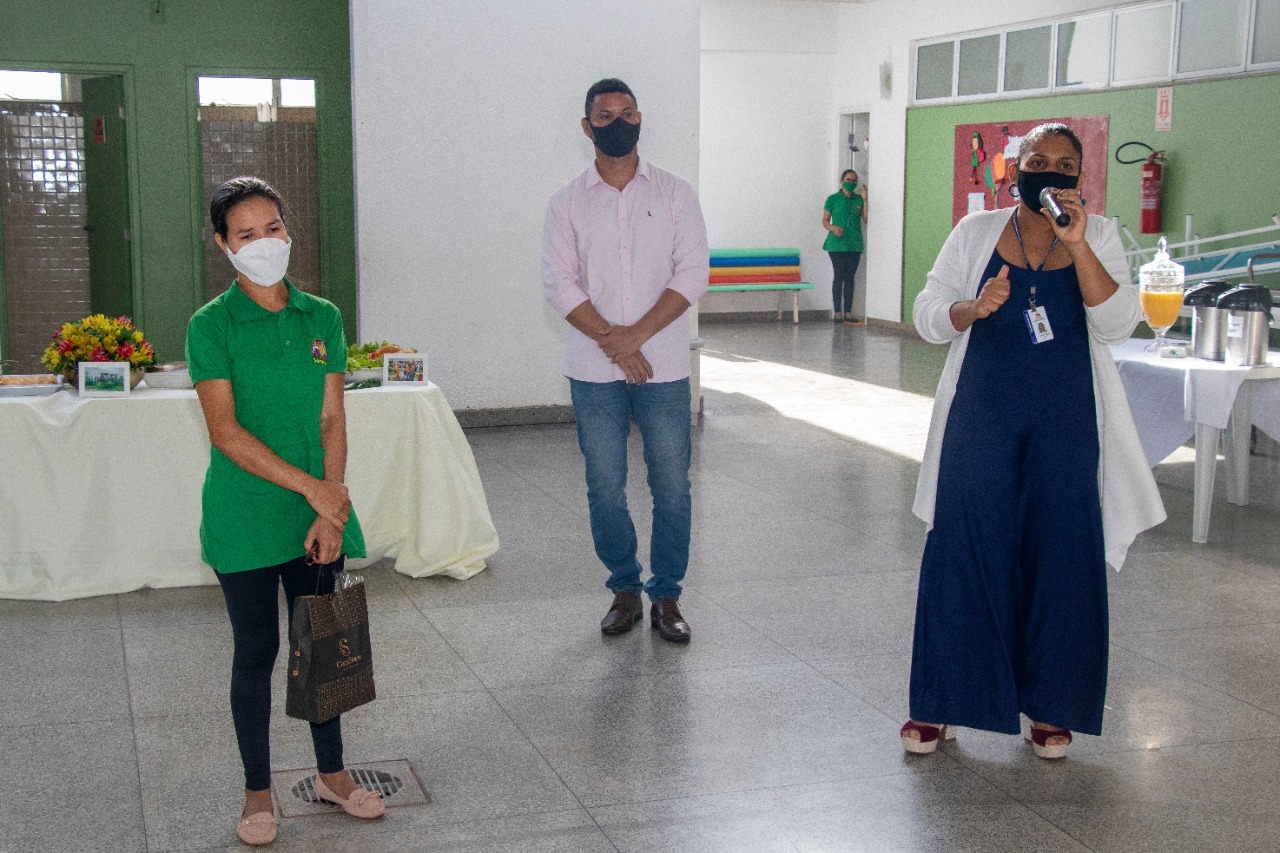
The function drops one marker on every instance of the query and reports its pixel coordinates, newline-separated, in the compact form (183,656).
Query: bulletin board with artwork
(981,151)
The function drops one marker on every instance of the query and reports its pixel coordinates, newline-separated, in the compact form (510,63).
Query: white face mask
(264,262)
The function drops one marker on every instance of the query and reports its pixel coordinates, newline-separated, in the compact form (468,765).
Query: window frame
(915,69)
(1170,55)
(1250,9)
(1106,17)
(1051,71)
(1250,64)
(1113,17)
(955,77)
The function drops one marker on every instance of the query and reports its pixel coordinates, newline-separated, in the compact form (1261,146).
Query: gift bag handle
(312,555)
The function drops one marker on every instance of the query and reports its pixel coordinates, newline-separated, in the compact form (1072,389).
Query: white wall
(766,95)
(466,120)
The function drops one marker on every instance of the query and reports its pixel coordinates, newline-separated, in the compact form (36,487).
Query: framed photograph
(400,367)
(104,378)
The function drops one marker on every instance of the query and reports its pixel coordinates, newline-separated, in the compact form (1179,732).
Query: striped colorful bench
(742,270)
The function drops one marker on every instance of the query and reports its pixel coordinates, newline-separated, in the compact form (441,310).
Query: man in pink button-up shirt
(624,256)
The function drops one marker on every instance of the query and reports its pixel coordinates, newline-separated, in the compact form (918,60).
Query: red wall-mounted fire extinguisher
(1152,189)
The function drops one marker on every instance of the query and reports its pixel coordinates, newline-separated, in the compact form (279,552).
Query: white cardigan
(1130,500)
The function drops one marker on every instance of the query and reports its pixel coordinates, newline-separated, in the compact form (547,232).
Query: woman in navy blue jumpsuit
(1011,616)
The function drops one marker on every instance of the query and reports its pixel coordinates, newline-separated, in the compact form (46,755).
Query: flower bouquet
(97,338)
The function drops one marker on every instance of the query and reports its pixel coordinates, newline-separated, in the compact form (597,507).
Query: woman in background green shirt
(842,216)
(268,363)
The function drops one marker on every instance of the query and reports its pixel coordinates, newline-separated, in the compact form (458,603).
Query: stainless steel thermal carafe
(1208,324)
(1248,310)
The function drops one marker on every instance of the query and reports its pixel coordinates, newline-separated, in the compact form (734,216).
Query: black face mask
(617,138)
(1031,183)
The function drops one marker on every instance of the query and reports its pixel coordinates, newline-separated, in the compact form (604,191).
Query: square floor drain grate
(397,781)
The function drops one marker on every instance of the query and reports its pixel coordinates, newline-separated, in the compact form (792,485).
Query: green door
(107,198)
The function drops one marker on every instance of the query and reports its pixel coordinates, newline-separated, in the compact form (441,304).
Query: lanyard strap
(1017,232)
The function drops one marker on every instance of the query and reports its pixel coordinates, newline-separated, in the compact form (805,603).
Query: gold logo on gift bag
(343,647)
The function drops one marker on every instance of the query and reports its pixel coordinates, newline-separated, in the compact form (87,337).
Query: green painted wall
(160,60)
(1224,160)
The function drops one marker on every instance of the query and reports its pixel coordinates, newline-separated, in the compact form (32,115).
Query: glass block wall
(282,153)
(42,206)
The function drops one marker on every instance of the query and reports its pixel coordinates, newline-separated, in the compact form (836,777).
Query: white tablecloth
(1169,396)
(101,496)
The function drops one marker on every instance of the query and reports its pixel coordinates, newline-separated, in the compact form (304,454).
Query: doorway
(64,208)
(855,134)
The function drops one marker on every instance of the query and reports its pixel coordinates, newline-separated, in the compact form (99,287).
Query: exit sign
(1164,108)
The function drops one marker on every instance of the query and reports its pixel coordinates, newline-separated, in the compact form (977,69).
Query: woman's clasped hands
(323,542)
(332,503)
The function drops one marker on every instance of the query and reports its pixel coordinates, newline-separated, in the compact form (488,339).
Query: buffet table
(1173,399)
(102,496)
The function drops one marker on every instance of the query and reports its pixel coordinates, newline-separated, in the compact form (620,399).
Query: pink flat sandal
(1039,741)
(257,829)
(362,803)
(929,737)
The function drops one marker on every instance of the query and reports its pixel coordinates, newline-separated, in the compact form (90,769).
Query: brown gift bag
(330,658)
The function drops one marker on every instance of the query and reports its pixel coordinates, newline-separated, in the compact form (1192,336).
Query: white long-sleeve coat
(1130,500)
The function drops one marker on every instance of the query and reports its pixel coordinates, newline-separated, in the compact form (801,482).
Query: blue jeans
(604,411)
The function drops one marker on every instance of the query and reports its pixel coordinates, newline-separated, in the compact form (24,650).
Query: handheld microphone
(1059,215)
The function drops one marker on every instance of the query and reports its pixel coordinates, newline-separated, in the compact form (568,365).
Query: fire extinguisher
(1152,187)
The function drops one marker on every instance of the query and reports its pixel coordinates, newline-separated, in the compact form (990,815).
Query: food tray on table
(32,385)
(174,374)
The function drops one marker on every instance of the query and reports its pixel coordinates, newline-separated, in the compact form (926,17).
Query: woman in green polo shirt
(842,215)
(268,361)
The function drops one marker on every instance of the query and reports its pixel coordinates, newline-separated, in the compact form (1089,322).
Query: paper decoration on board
(982,181)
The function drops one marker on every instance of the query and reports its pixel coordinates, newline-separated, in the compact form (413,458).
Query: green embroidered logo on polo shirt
(318,354)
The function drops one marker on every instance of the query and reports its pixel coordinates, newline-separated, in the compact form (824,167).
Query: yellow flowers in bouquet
(97,338)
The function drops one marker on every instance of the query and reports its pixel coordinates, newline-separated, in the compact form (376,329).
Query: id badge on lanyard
(1038,324)
(1037,318)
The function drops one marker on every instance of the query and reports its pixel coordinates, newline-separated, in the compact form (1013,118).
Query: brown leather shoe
(665,616)
(625,611)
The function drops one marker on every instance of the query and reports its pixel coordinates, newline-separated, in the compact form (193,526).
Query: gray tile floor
(775,730)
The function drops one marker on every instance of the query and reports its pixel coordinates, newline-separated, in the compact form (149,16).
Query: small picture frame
(104,378)
(402,367)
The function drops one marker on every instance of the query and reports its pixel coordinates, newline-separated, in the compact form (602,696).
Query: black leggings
(845,265)
(253,605)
